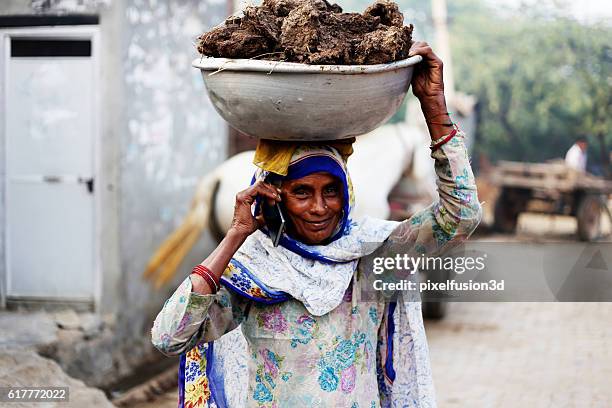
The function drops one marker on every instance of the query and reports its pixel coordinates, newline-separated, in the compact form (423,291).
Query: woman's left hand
(428,87)
(427,79)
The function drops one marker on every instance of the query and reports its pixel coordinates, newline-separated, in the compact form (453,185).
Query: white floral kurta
(339,359)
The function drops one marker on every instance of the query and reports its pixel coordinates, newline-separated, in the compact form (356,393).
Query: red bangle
(437,145)
(208,276)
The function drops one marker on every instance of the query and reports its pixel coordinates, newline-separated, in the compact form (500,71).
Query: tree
(541,82)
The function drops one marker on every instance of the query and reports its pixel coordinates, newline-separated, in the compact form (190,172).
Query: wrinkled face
(313,206)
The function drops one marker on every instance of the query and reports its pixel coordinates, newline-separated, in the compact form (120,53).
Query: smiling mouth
(319,225)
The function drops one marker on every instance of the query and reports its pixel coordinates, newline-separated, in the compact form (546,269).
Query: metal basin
(289,101)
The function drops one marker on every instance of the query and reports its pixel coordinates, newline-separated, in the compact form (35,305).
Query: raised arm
(193,313)
(457,212)
(243,225)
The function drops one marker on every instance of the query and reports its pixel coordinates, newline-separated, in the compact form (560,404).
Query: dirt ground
(167,400)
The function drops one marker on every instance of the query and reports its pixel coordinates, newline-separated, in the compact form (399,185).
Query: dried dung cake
(311,32)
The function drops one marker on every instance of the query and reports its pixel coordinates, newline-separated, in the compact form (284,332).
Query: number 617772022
(33,394)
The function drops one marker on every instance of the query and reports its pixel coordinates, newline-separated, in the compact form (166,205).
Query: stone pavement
(533,355)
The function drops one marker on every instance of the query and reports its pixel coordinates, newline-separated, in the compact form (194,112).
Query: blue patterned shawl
(318,276)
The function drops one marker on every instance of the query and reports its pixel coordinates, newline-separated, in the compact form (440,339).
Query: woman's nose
(319,206)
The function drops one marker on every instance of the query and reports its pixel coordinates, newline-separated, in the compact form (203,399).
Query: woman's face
(313,205)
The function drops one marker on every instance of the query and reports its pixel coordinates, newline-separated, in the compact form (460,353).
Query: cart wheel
(588,216)
(505,214)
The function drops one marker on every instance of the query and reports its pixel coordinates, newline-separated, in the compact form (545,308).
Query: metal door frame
(89,32)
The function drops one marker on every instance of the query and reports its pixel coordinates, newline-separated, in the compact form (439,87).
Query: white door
(50,173)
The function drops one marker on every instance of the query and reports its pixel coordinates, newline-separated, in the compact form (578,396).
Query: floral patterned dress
(348,357)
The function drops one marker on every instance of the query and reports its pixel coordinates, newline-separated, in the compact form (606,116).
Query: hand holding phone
(275,221)
(243,222)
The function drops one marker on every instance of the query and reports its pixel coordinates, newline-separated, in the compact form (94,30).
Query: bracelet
(435,116)
(444,140)
(442,124)
(208,277)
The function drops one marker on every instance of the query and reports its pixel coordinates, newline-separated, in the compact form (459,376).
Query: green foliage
(541,78)
(540,82)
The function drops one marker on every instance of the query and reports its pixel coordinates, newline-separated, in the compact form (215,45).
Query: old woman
(308,335)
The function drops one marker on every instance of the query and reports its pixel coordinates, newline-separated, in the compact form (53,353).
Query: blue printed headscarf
(307,160)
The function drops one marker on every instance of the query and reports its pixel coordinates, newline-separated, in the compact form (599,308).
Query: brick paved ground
(523,355)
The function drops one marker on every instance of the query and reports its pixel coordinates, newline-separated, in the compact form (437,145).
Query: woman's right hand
(243,222)
(243,225)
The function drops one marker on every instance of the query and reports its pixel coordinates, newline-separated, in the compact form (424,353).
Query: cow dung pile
(311,32)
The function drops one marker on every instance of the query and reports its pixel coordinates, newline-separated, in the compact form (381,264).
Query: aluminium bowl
(291,101)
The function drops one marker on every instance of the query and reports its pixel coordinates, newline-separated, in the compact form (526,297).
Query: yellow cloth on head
(275,155)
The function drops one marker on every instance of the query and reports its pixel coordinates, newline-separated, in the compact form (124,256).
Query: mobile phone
(275,221)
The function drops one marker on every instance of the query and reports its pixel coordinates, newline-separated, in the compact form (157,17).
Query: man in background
(576,156)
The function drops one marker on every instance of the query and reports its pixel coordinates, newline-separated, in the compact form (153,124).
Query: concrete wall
(173,137)
(160,134)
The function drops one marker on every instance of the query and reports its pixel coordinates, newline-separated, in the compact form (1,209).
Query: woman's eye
(300,192)
(331,190)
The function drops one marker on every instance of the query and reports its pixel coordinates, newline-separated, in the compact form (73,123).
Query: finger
(271,188)
(248,195)
(260,221)
(269,191)
(415,45)
(418,44)
(425,51)
(269,194)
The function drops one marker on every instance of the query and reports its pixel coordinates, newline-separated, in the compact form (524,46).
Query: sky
(592,8)
(587,11)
